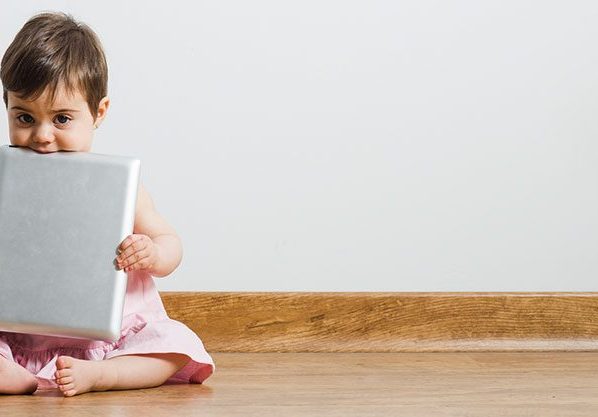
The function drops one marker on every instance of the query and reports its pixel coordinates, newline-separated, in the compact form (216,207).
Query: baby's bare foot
(77,376)
(14,379)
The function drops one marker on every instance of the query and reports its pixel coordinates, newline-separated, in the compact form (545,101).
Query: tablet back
(62,217)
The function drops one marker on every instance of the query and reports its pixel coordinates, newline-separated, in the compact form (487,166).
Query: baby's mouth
(40,150)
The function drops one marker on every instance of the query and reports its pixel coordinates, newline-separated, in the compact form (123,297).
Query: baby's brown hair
(52,47)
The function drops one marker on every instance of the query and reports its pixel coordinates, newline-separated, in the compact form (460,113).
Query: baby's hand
(137,252)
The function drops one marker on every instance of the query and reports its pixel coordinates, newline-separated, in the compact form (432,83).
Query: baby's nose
(43,135)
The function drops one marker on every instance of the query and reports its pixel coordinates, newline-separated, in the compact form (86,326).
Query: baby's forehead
(63,98)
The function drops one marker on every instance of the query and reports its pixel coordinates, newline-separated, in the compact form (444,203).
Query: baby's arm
(154,244)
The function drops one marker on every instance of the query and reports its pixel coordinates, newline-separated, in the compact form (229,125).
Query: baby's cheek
(17,137)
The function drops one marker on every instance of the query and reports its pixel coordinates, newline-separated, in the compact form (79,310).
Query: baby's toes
(61,373)
(70,393)
(64,362)
(65,380)
(67,387)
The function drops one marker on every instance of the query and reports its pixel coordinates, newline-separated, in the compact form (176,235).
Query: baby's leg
(76,376)
(14,379)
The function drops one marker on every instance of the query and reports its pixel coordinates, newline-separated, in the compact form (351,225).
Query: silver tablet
(62,217)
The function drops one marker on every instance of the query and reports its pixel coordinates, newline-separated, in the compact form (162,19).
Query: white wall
(345,146)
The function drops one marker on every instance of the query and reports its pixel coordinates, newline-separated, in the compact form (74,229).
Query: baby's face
(64,125)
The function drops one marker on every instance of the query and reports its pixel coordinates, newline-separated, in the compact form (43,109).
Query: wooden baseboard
(388,322)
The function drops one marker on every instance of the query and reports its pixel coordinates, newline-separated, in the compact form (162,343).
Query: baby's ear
(102,110)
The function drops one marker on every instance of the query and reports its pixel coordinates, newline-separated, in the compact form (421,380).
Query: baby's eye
(25,118)
(62,119)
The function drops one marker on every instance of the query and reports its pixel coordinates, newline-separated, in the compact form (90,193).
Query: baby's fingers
(131,244)
(123,260)
(142,263)
(138,248)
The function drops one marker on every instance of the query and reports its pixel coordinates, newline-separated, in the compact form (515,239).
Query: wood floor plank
(354,384)
(388,322)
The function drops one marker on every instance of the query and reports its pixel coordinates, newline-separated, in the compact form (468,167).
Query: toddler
(54,78)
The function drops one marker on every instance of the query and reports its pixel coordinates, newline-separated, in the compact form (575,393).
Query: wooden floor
(353,384)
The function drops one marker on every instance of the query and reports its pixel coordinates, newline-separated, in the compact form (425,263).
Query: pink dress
(146,328)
